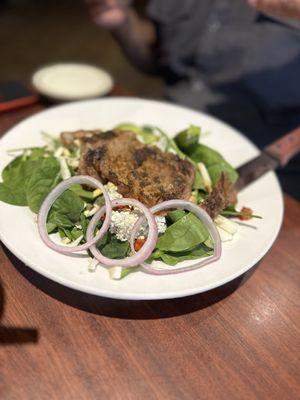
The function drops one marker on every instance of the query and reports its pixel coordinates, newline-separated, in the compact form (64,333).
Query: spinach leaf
(214,162)
(37,153)
(86,194)
(145,133)
(173,148)
(10,170)
(51,226)
(66,211)
(14,196)
(175,215)
(84,222)
(187,139)
(15,176)
(184,234)
(111,247)
(42,180)
(170,258)
(171,145)
(71,234)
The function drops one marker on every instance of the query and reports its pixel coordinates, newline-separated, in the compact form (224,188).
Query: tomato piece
(245,210)
(138,244)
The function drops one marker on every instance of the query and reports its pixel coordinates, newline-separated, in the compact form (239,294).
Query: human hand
(109,14)
(280,8)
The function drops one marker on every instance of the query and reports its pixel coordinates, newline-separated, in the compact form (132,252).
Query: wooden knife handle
(285,148)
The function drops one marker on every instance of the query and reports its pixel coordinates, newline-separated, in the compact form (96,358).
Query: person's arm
(136,36)
(279,8)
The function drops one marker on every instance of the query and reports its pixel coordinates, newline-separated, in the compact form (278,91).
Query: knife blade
(275,155)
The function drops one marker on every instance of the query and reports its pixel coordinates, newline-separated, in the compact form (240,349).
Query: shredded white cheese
(205,175)
(64,169)
(226,228)
(122,223)
(115,273)
(92,265)
(92,211)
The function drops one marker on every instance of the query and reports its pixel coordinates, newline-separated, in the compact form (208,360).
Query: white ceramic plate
(19,231)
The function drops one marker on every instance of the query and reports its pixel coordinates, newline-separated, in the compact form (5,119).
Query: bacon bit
(245,210)
(138,244)
(117,208)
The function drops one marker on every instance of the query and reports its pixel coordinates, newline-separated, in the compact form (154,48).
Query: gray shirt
(222,57)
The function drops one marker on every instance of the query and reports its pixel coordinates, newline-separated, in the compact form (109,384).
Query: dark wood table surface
(240,341)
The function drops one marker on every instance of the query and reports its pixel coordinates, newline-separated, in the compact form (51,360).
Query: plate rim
(154,295)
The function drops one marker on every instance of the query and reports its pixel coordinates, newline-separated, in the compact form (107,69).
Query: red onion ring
(203,216)
(54,194)
(139,257)
(143,253)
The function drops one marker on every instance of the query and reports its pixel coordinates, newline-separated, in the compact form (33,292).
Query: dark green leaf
(172,147)
(175,215)
(184,234)
(84,222)
(15,176)
(86,194)
(214,162)
(170,258)
(42,180)
(51,227)
(187,139)
(111,247)
(37,153)
(66,210)
(14,196)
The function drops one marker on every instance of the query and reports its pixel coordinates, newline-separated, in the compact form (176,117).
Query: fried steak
(140,171)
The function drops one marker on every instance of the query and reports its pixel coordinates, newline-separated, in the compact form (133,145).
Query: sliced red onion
(143,253)
(54,194)
(203,216)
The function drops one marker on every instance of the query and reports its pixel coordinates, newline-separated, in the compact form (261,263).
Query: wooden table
(240,341)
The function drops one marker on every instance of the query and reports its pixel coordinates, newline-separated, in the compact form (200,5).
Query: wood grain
(240,341)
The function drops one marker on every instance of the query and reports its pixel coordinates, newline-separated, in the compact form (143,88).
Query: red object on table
(239,341)
(15,94)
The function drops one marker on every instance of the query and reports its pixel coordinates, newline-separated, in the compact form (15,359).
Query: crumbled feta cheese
(92,211)
(64,169)
(122,223)
(115,273)
(161,225)
(92,265)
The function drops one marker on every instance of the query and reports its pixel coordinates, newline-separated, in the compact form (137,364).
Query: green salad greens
(34,172)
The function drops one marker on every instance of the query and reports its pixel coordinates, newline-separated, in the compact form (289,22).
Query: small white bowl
(72,81)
